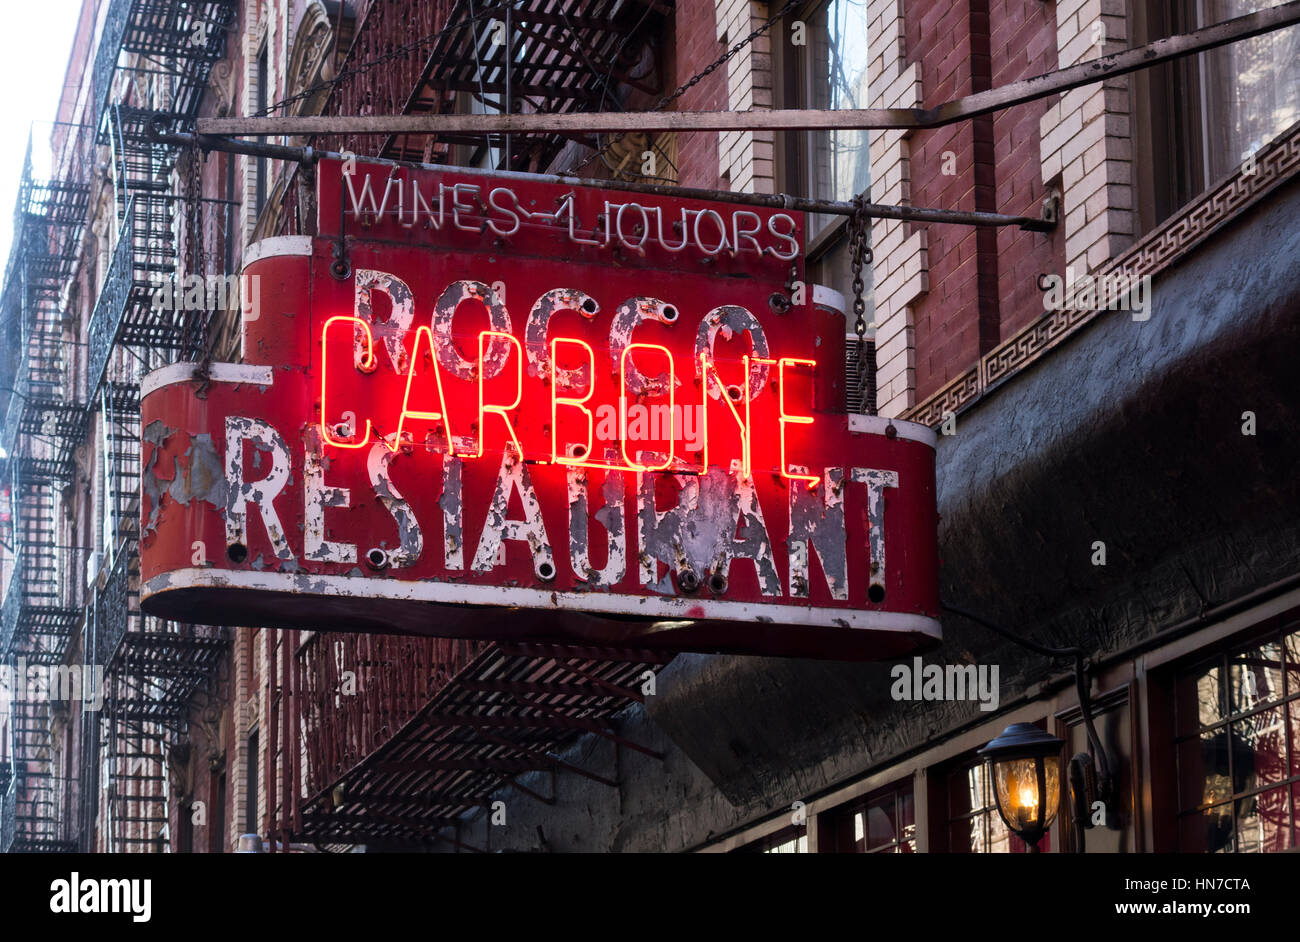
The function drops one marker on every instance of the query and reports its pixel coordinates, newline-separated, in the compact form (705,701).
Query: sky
(34,47)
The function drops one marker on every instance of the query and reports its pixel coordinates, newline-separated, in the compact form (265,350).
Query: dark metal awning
(508,712)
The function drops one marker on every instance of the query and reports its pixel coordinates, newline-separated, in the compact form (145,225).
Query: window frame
(919,768)
(792,150)
(769,843)
(1173,117)
(1144,673)
(1276,628)
(834,824)
(942,818)
(261,99)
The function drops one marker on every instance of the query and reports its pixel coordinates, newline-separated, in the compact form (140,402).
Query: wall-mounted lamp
(1089,776)
(1026,780)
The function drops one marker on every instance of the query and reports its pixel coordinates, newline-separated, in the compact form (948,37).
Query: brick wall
(1022,41)
(946,319)
(946,294)
(746,159)
(901,267)
(243,718)
(695,43)
(1086,139)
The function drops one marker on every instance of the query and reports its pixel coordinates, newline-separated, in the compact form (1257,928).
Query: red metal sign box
(484,406)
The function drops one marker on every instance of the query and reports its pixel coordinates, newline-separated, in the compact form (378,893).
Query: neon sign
(379,196)
(361,352)
(600,445)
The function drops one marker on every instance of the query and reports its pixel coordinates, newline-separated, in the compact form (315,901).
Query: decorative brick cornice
(1275,164)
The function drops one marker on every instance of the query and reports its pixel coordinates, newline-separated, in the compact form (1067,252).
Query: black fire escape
(450,725)
(163,50)
(526,56)
(43,424)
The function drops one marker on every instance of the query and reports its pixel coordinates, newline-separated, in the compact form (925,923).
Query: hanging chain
(726,57)
(196,210)
(699,76)
(860,254)
(194,323)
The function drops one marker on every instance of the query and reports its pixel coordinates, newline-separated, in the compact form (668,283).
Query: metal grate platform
(507,712)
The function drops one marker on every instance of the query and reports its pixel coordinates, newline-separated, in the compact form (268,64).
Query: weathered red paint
(348,495)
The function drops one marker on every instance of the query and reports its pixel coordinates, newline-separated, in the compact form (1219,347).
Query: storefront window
(881,823)
(1238,748)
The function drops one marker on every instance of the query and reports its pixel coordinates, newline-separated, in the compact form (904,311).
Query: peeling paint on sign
(725,503)
(732,320)
(630,315)
(410,537)
(449,355)
(319,496)
(612,516)
(261,493)
(535,339)
(453,527)
(819,521)
(513,480)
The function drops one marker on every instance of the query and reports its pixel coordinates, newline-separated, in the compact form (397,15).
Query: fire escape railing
(43,423)
(106,56)
(344,719)
(350,709)
(153,668)
(35,814)
(581,57)
(404,738)
(182,39)
(110,306)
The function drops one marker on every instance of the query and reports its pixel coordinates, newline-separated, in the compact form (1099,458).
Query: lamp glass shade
(1016,781)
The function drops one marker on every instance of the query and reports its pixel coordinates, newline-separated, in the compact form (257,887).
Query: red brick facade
(695,45)
(983,282)
(1022,44)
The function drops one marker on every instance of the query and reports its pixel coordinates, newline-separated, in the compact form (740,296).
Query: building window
(827,71)
(883,822)
(263,99)
(820,61)
(973,823)
(217,815)
(250,802)
(1201,116)
(1237,741)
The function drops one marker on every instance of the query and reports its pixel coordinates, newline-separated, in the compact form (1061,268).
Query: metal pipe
(897,119)
(1076,654)
(509,55)
(308,155)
